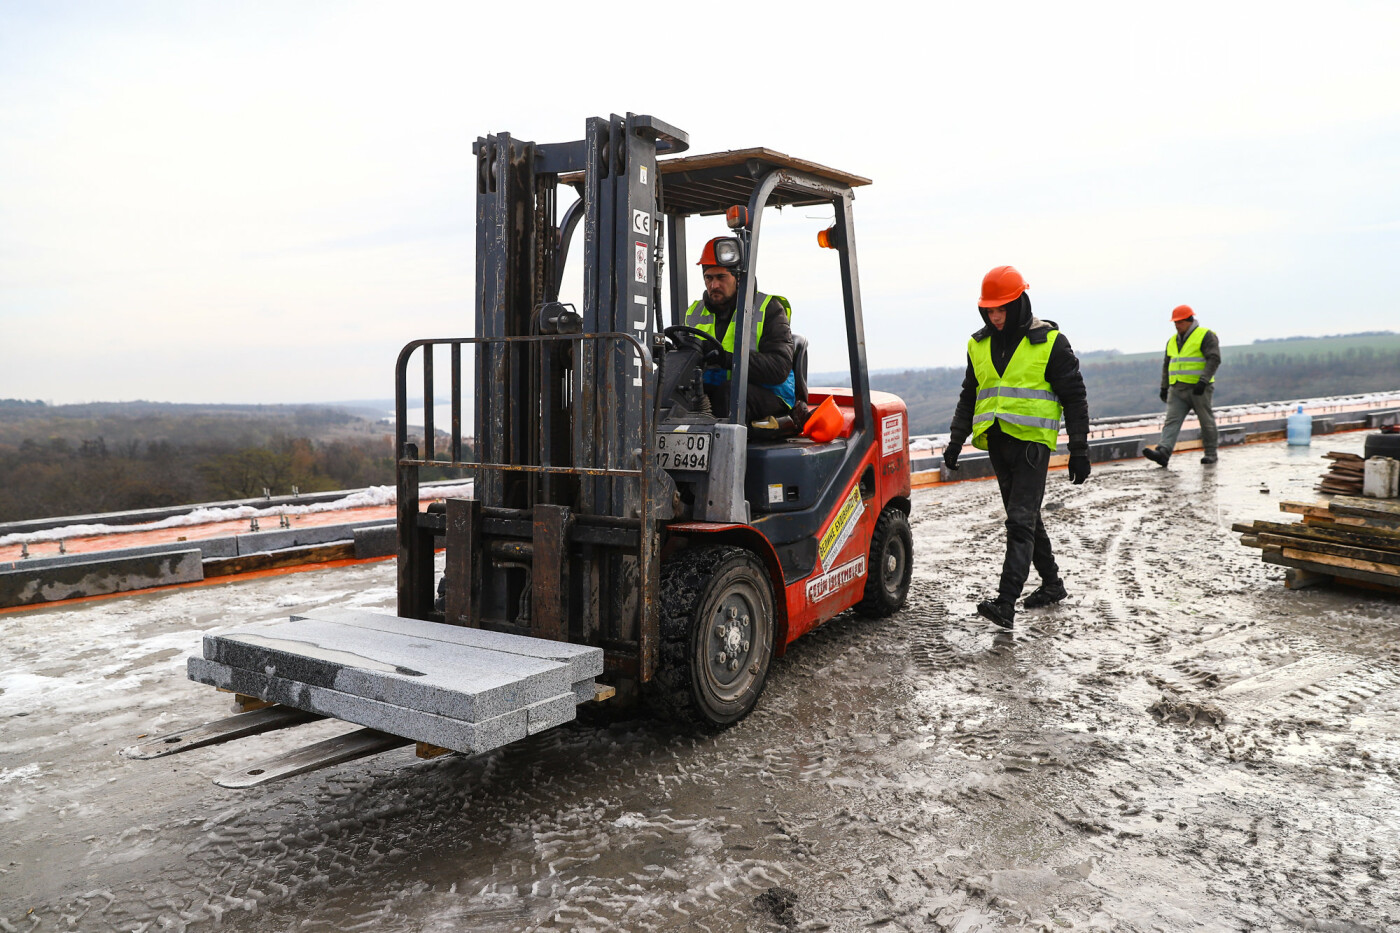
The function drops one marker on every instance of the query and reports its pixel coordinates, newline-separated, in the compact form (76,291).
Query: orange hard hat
(825,423)
(1182,312)
(1001,285)
(730,252)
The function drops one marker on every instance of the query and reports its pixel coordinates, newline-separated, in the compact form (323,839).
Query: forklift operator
(772,387)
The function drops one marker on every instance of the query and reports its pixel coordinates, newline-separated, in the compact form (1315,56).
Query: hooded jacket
(1061,371)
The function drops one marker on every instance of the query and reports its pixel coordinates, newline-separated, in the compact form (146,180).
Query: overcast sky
(261,202)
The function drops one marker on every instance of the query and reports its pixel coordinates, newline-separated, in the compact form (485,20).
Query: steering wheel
(711,345)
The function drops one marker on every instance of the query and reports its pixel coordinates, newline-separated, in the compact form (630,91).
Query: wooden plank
(1347,521)
(1382,507)
(275,560)
(739,158)
(1368,555)
(1314,511)
(1342,455)
(1340,574)
(1331,560)
(1384,539)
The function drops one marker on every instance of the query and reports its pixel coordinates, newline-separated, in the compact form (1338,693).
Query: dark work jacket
(1061,371)
(771,361)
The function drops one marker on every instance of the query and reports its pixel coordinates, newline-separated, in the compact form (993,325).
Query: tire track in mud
(1134,623)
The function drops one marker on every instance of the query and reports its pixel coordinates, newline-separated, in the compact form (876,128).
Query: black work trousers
(759,402)
(1020,468)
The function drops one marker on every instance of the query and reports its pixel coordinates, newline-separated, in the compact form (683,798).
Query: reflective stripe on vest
(1020,398)
(701,318)
(1186,364)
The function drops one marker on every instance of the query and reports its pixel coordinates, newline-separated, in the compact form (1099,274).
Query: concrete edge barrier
(141,516)
(219,548)
(259,542)
(376,541)
(208,547)
(33,586)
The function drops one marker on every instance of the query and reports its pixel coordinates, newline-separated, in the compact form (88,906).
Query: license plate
(681,450)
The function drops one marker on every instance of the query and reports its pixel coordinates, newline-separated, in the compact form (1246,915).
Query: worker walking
(1188,384)
(1022,375)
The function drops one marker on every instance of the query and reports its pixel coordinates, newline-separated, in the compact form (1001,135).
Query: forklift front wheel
(891,566)
(716,632)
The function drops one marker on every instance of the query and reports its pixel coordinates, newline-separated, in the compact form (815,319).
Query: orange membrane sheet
(117,540)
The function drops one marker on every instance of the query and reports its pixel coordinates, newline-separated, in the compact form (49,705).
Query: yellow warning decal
(841,527)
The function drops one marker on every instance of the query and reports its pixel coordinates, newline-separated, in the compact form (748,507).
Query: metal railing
(428,453)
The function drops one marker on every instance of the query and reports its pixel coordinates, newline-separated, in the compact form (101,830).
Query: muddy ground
(1182,745)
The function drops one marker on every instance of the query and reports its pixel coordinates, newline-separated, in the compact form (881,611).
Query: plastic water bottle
(1300,428)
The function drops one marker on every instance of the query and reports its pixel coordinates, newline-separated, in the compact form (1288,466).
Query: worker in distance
(1022,376)
(1188,384)
(772,385)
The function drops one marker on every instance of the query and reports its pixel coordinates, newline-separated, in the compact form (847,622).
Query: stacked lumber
(1345,475)
(1347,540)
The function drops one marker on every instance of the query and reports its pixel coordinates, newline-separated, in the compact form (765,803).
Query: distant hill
(1127,383)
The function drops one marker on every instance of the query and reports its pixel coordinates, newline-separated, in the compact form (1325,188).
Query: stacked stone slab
(465,689)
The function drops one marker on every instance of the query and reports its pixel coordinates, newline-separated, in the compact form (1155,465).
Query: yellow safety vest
(1020,398)
(1186,364)
(701,318)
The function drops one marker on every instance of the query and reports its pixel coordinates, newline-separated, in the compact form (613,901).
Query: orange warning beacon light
(830,238)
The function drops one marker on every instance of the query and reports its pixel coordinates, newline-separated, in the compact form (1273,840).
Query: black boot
(1157,455)
(1210,457)
(1046,594)
(1002,613)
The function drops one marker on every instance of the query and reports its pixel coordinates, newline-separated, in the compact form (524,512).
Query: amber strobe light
(737,216)
(830,238)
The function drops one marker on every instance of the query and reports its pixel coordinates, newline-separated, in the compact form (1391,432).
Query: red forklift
(613,509)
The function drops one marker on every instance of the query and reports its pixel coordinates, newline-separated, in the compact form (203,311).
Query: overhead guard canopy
(711,183)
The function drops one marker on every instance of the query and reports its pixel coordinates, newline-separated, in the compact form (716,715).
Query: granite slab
(468,737)
(464,682)
(584,662)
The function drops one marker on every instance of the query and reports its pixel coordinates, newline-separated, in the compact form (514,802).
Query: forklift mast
(560,538)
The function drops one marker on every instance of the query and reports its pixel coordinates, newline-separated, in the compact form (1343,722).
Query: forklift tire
(891,565)
(716,635)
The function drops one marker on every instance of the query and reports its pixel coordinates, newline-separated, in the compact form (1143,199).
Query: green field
(1294,346)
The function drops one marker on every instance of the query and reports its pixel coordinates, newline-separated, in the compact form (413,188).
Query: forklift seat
(799,366)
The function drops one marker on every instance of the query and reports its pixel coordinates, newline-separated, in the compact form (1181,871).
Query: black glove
(950,454)
(1078,468)
(1162,395)
(722,359)
(1200,388)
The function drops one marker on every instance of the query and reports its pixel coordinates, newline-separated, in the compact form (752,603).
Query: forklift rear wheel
(716,634)
(887,578)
